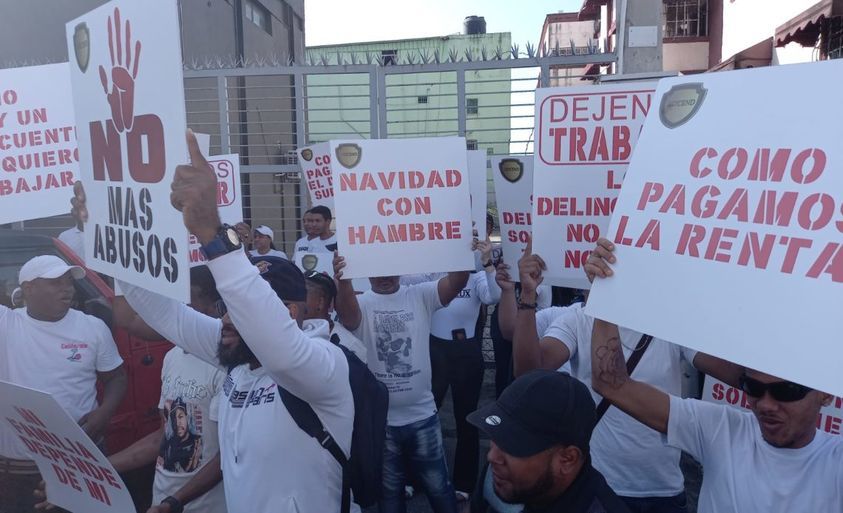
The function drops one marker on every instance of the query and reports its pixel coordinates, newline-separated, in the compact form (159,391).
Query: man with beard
(269,463)
(540,430)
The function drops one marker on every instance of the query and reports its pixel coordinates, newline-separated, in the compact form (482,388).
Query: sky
(350,21)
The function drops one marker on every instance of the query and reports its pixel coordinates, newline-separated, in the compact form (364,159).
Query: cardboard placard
(78,476)
(728,226)
(128,96)
(585,137)
(38,153)
(479,192)
(513,176)
(229,198)
(403,206)
(315,163)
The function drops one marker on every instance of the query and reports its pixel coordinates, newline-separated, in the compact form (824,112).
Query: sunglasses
(782,391)
(221,308)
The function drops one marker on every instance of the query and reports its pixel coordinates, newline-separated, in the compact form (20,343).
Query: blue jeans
(675,504)
(420,446)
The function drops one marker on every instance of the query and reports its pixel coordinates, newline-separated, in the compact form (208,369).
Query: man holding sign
(774,459)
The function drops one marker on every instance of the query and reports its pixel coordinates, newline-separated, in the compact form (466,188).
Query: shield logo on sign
(511,169)
(82,46)
(681,103)
(308,262)
(307,154)
(349,155)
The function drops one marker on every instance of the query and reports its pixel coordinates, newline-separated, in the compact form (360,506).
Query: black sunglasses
(221,308)
(782,391)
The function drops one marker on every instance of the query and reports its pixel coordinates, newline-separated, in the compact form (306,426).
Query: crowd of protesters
(262,402)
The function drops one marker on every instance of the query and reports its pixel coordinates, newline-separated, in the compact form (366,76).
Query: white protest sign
(229,198)
(79,477)
(204,141)
(513,176)
(728,226)
(585,137)
(830,419)
(315,163)
(38,151)
(479,191)
(319,261)
(402,206)
(128,94)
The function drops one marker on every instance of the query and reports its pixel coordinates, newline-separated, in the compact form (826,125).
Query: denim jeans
(675,504)
(419,445)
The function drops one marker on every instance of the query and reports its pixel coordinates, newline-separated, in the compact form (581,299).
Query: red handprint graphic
(122,95)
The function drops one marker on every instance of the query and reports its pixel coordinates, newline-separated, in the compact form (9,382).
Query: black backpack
(362,473)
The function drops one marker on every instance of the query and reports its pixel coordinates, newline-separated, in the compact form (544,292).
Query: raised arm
(487,289)
(507,307)
(346,305)
(724,370)
(450,286)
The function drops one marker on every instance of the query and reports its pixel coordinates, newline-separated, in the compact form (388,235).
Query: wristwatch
(226,241)
(175,505)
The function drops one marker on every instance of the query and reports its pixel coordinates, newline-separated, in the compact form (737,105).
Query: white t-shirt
(395,328)
(270,253)
(463,310)
(314,245)
(74,238)
(544,320)
(631,456)
(190,386)
(349,341)
(61,358)
(745,474)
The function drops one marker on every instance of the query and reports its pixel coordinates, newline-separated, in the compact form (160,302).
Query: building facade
(565,34)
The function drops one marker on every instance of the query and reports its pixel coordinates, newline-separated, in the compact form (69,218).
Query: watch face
(232,236)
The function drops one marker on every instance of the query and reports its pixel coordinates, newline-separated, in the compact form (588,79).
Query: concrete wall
(685,57)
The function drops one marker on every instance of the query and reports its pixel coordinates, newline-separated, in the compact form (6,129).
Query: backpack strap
(634,358)
(307,420)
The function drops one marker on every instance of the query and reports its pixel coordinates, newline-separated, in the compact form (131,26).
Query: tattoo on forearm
(611,363)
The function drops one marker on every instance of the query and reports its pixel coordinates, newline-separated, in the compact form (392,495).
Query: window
(471,144)
(471,106)
(422,99)
(389,57)
(685,18)
(258,15)
(834,47)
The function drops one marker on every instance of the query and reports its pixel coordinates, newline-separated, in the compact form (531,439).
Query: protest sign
(128,97)
(229,199)
(402,206)
(729,222)
(584,138)
(513,176)
(79,477)
(479,192)
(830,419)
(315,163)
(37,142)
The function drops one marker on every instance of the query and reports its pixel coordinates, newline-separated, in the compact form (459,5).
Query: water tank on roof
(474,25)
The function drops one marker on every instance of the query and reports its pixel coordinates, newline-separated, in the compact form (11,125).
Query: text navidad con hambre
(794,201)
(405,196)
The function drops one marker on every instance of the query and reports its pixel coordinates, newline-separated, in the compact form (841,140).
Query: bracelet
(175,505)
(527,306)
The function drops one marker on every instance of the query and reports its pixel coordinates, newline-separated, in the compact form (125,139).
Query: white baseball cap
(265,230)
(48,267)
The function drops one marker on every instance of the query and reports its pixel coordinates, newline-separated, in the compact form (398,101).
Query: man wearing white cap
(263,245)
(50,347)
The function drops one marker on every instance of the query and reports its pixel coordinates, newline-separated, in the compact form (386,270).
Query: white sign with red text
(128,96)
(38,151)
(78,476)
(229,198)
(585,137)
(830,419)
(479,190)
(315,163)
(403,206)
(728,226)
(513,176)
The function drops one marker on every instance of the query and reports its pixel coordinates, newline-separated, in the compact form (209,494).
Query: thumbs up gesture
(194,194)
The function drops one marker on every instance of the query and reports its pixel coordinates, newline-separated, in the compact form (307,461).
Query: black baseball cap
(537,411)
(283,276)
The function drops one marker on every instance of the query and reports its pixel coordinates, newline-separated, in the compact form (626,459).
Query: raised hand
(121,98)
(194,194)
(502,277)
(530,269)
(79,206)
(599,260)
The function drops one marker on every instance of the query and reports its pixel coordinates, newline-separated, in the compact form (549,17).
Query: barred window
(685,18)
(834,48)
